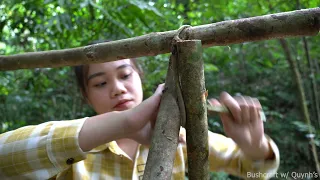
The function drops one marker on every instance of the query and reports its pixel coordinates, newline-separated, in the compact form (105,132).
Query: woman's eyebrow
(102,73)
(95,75)
(124,66)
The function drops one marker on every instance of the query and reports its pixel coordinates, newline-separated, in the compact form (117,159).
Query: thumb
(214,102)
(226,118)
(160,89)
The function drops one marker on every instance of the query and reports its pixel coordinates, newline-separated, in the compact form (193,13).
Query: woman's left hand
(244,124)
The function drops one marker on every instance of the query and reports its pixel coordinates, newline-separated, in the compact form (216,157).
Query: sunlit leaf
(210,68)
(143,5)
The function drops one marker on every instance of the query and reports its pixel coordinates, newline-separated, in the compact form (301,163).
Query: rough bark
(314,88)
(288,24)
(165,136)
(298,80)
(191,74)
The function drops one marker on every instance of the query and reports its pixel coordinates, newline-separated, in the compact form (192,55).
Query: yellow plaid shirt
(51,151)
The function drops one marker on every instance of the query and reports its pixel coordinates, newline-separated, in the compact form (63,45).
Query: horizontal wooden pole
(280,25)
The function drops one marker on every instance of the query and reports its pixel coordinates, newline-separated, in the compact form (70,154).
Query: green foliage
(258,69)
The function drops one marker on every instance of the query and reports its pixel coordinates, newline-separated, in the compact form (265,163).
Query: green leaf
(143,5)
(210,68)
(303,127)
(111,19)
(268,63)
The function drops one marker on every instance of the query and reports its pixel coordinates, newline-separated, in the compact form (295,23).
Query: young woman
(113,144)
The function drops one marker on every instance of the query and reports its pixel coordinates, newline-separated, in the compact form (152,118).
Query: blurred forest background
(259,69)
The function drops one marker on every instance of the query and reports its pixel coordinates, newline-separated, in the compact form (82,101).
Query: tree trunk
(280,25)
(297,79)
(314,88)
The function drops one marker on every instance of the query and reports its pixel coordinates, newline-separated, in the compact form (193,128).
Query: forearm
(103,128)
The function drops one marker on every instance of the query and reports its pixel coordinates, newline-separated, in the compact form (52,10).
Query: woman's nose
(118,89)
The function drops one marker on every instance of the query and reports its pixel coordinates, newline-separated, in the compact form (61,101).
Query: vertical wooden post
(165,136)
(191,74)
(186,76)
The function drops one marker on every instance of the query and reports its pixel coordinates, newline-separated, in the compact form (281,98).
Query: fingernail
(164,90)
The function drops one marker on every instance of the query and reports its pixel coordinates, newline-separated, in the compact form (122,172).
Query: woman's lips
(123,105)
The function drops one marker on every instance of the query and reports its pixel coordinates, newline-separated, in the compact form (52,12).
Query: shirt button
(70,161)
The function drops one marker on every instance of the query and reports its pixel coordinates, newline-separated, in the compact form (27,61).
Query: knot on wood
(316,22)
(90,52)
(181,31)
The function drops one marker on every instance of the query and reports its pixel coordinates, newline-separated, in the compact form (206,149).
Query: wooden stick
(280,25)
(191,77)
(166,131)
(224,109)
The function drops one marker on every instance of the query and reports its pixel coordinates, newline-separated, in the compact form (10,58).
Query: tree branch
(166,132)
(191,70)
(303,101)
(288,24)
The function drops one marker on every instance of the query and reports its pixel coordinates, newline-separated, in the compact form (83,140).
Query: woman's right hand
(141,119)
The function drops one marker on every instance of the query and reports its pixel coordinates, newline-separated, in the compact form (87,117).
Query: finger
(256,111)
(252,110)
(160,88)
(227,122)
(226,118)
(232,105)
(257,103)
(245,112)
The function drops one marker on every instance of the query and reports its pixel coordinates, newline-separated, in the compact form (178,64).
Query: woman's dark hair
(81,71)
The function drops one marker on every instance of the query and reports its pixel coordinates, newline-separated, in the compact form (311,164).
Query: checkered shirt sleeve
(41,151)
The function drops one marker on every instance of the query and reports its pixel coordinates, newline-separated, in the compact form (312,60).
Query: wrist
(130,123)
(123,119)
(261,152)
(270,154)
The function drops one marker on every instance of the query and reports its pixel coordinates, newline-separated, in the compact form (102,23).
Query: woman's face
(113,86)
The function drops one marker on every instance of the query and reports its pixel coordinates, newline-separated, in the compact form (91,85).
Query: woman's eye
(126,76)
(100,84)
